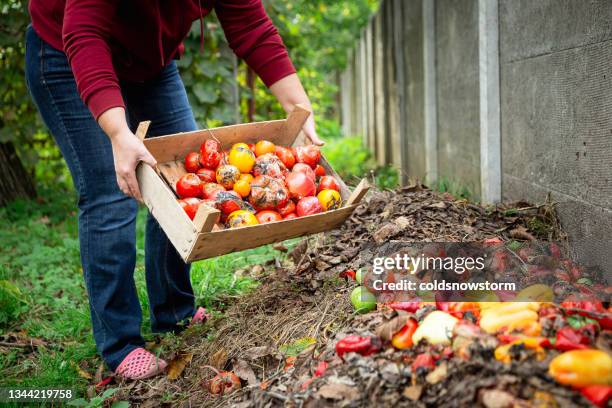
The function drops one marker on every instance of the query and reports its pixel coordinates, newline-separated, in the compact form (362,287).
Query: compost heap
(296,340)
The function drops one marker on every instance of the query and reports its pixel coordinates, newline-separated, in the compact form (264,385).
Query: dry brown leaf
(337,391)
(521,232)
(82,373)
(387,329)
(219,359)
(413,392)
(177,366)
(243,370)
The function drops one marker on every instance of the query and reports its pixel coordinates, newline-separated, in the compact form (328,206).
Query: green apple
(359,276)
(363,300)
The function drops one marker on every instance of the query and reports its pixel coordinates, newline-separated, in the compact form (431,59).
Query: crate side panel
(223,242)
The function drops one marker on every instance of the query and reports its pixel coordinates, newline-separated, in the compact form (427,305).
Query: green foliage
(318,35)
(446,185)
(209,75)
(97,402)
(353,161)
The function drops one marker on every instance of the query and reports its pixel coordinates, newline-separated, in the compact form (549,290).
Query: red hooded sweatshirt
(105,40)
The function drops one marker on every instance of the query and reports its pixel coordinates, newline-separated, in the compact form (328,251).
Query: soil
(274,337)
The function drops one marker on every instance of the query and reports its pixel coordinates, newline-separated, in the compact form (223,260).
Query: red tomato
(328,183)
(285,155)
(268,216)
(209,189)
(308,206)
(192,162)
(319,171)
(190,206)
(308,154)
(209,154)
(304,168)
(290,216)
(189,185)
(207,175)
(228,201)
(287,208)
(300,185)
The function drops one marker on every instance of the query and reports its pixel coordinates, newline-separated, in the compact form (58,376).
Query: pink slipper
(140,364)
(200,316)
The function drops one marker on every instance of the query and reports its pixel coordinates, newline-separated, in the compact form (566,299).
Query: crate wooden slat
(202,238)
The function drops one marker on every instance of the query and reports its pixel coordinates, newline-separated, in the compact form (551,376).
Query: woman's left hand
(311,132)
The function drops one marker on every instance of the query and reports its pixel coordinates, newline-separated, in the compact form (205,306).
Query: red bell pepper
(597,394)
(357,344)
(571,339)
(423,360)
(321,367)
(403,338)
(349,273)
(406,306)
(458,309)
(510,338)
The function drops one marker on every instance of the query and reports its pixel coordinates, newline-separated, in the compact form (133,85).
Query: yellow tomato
(240,145)
(242,158)
(242,187)
(241,218)
(247,177)
(329,199)
(263,147)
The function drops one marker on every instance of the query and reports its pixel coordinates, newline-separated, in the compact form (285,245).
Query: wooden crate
(201,238)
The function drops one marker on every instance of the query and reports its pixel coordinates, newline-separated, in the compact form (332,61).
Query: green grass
(42,293)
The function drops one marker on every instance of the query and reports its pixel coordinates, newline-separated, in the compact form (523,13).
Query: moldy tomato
(209,154)
(192,162)
(329,199)
(268,193)
(241,218)
(308,206)
(189,185)
(227,175)
(209,189)
(228,201)
(269,165)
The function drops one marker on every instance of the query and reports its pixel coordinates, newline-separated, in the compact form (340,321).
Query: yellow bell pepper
(581,368)
(521,316)
(502,353)
(436,328)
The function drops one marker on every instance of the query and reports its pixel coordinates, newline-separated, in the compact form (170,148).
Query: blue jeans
(107,217)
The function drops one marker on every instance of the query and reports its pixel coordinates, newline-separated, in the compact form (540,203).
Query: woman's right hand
(128,151)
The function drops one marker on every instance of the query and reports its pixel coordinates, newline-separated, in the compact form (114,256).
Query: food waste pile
(300,340)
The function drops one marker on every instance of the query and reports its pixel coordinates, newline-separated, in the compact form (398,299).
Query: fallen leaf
(243,370)
(438,374)
(413,392)
(298,346)
(279,246)
(219,359)
(82,373)
(387,329)
(521,232)
(178,364)
(440,204)
(338,392)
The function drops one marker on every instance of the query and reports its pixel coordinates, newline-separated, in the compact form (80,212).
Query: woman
(95,69)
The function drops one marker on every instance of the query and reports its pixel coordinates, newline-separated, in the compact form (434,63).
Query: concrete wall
(456,34)
(556,105)
(544,81)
